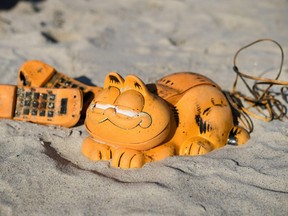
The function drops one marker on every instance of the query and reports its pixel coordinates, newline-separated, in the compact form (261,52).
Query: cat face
(125,114)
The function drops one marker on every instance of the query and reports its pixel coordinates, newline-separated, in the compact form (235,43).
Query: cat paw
(95,151)
(195,146)
(238,136)
(127,158)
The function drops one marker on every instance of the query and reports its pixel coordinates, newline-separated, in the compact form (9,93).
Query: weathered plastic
(35,73)
(181,114)
(41,105)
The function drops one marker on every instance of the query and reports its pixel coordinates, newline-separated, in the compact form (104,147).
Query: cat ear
(113,79)
(134,83)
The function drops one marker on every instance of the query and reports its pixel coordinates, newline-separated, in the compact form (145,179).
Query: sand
(41,168)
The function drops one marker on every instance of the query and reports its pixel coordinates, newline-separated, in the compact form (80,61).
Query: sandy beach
(42,170)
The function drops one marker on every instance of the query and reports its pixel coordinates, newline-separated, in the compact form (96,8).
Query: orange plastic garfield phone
(35,73)
(132,124)
(41,105)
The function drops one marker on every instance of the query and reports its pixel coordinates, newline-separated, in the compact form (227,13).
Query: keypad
(61,81)
(34,103)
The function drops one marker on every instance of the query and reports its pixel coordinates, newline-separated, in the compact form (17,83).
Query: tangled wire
(263,102)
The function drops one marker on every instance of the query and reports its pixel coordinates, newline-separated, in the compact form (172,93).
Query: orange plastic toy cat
(181,114)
